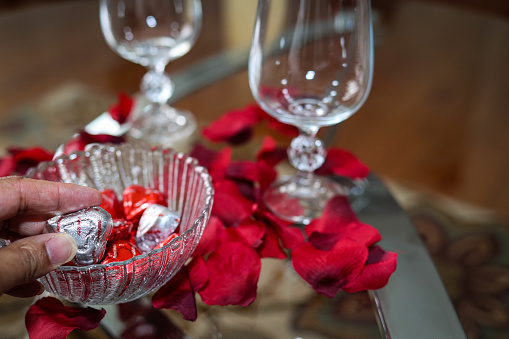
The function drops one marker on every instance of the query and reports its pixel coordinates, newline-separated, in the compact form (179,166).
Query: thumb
(30,258)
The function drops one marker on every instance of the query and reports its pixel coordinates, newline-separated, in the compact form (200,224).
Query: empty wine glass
(153,33)
(310,66)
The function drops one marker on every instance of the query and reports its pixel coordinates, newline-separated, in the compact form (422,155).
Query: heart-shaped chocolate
(156,224)
(137,198)
(111,203)
(121,230)
(90,227)
(120,250)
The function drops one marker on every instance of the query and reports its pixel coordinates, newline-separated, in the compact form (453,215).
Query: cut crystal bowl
(185,185)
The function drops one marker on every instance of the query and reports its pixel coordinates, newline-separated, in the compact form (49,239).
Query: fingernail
(61,248)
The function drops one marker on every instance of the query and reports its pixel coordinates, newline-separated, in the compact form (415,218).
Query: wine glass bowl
(152,33)
(310,66)
(187,189)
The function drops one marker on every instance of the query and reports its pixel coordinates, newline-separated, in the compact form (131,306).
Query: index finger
(20,196)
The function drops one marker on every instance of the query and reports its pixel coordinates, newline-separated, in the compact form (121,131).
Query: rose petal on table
(282,128)
(339,221)
(25,158)
(122,109)
(357,231)
(234,127)
(82,139)
(290,235)
(252,231)
(270,154)
(49,318)
(253,172)
(210,239)
(229,204)
(270,247)
(215,162)
(379,267)
(7,166)
(329,271)
(177,294)
(198,273)
(343,163)
(234,271)
(245,170)
(248,189)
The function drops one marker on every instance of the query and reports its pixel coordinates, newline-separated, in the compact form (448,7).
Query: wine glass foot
(162,125)
(301,199)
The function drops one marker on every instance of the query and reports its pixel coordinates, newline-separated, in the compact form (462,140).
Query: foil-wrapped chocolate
(4,243)
(121,230)
(156,224)
(90,227)
(120,250)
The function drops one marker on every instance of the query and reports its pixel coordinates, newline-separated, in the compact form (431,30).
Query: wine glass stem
(157,86)
(306,152)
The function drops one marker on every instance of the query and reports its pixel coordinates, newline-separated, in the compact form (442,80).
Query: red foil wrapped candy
(120,250)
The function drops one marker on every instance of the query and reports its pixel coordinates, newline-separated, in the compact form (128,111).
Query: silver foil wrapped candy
(90,227)
(156,224)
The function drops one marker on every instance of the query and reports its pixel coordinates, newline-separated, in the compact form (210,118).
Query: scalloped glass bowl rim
(203,214)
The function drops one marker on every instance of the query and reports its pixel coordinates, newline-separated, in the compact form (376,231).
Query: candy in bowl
(184,187)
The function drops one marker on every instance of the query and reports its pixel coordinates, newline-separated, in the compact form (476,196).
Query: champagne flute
(152,33)
(310,65)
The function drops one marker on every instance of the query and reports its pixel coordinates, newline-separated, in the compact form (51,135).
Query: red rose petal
(198,273)
(234,271)
(216,163)
(49,318)
(177,294)
(7,166)
(290,236)
(229,204)
(377,271)
(329,271)
(80,140)
(270,247)
(284,129)
(209,241)
(25,158)
(254,172)
(234,127)
(252,231)
(339,222)
(343,163)
(357,231)
(122,109)
(270,154)
(245,170)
